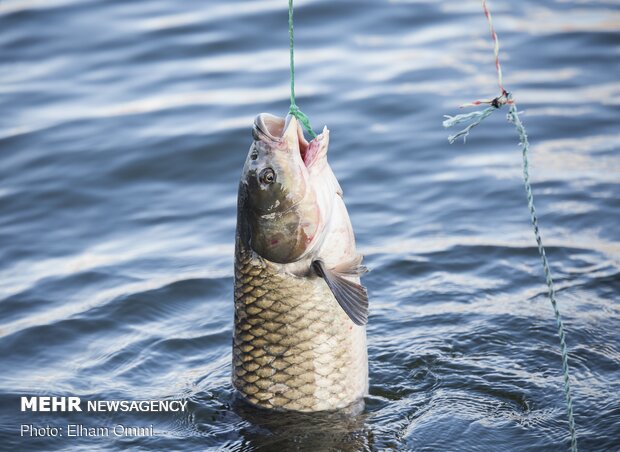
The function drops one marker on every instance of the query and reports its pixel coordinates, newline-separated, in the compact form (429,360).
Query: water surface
(123,131)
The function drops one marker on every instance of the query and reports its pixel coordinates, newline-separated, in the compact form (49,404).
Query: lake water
(123,131)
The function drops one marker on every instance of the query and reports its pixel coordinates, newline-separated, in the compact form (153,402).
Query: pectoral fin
(351,297)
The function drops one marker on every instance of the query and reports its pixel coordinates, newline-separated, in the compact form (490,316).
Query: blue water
(123,131)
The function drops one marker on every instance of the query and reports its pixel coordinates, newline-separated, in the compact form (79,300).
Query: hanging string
(475,118)
(294,109)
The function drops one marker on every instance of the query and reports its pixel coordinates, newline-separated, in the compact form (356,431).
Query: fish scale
(294,348)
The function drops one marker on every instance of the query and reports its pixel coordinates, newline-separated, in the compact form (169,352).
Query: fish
(300,314)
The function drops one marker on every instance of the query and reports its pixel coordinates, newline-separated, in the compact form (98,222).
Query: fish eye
(267,176)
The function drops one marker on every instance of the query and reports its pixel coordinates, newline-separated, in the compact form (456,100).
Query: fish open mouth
(274,128)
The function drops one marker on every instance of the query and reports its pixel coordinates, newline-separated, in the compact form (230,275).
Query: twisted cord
(498,67)
(294,109)
(513,117)
(474,119)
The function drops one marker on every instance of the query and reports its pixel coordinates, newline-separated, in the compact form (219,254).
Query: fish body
(300,311)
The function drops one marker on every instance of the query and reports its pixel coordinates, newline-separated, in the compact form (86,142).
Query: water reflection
(342,430)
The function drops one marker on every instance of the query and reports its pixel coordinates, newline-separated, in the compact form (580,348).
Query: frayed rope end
(475,116)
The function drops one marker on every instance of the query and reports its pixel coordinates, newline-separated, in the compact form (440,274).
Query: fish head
(281,207)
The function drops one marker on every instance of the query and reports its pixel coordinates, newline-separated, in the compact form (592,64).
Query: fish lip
(273,128)
(270,126)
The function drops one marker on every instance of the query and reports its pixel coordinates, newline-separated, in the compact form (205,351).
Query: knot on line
(302,118)
(476,117)
(503,99)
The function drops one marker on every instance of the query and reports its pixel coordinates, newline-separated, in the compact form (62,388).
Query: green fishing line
(294,109)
